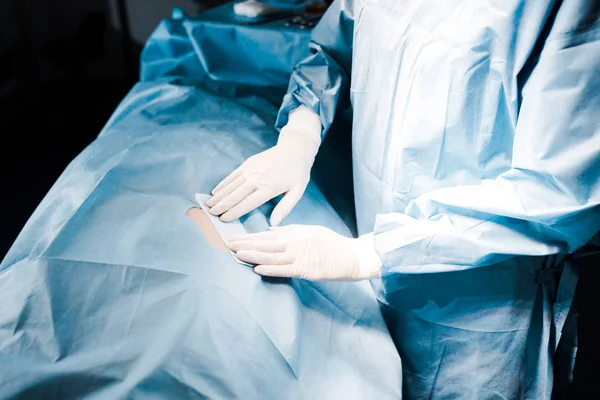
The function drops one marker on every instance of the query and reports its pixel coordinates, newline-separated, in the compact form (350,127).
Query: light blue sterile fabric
(476,156)
(214,48)
(111,292)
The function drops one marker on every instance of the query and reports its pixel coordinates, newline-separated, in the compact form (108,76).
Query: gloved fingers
(225,191)
(254,200)
(288,228)
(232,199)
(251,237)
(228,179)
(278,271)
(292,231)
(285,206)
(264,257)
(259,245)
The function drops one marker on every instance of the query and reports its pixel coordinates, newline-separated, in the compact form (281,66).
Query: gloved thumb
(285,206)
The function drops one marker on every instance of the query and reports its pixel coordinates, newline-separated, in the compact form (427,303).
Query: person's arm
(316,87)
(548,202)
(321,81)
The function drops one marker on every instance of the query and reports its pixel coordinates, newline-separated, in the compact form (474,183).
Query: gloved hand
(284,168)
(308,252)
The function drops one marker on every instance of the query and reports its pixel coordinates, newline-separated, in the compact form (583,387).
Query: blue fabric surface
(476,156)
(215,47)
(111,292)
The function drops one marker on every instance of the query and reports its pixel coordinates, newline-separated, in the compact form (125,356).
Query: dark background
(64,67)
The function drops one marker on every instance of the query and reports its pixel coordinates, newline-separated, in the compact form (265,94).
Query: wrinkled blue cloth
(476,156)
(111,292)
(214,48)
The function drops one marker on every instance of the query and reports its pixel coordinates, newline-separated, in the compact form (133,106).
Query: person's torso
(435,95)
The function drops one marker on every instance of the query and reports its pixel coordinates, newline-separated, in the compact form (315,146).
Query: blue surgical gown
(476,158)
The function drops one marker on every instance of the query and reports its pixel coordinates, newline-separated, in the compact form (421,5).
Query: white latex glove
(308,252)
(284,168)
